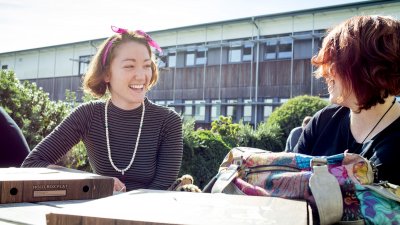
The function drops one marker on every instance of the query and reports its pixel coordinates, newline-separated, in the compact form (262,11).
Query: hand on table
(118,185)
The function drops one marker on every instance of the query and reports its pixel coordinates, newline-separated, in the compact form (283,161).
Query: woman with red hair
(360,62)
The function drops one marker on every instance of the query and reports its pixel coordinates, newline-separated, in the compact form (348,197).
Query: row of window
(207,112)
(273,49)
(237,51)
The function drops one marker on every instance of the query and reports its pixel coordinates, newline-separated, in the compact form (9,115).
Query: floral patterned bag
(338,187)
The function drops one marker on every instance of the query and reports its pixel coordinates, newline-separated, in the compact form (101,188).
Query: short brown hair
(93,82)
(364,52)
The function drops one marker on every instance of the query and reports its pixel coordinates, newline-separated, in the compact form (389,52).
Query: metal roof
(266,16)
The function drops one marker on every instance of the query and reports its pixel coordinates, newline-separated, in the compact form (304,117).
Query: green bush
(246,136)
(268,138)
(203,152)
(243,134)
(292,113)
(37,115)
(30,107)
(228,130)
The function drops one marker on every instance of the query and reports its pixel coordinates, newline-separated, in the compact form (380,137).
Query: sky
(27,24)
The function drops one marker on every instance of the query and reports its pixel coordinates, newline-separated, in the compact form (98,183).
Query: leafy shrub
(37,115)
(268,138)
(30,107)
(264,137)
(228,130)
(246,136)
(203,152)
(292,113)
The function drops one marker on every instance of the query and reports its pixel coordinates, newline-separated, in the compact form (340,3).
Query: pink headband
(117,30)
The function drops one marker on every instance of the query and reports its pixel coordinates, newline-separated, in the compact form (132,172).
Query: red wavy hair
(364,52)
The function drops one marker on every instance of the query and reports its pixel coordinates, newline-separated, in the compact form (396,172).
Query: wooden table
(160,207)
(32,213)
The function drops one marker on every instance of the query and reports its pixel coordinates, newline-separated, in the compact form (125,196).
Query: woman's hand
(118,185)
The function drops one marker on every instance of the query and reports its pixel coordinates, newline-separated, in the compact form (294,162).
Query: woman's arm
(67,134)
(169,154)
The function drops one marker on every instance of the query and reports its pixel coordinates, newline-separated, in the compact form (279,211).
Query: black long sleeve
(13,146)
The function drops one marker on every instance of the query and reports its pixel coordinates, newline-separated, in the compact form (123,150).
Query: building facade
(242,68)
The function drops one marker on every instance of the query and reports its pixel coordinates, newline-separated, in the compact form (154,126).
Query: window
(161,61)
(188,110)
(285,48)
(160,102)
(4,67)
(215,109)
(200,110)
(171,59)
(201,57)
(84,61)
(169,104)
(196,109)
(247,110)
(196,57)
(190,56)
(247,52)
(317,45)
(235,54)
(270,49)
(283,100)
(268,108)
(231,109)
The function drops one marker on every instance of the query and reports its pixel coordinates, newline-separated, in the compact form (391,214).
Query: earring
(107,88)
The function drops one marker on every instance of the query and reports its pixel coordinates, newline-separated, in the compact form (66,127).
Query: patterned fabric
(287,175)
(351,204)
(276,172)
(377,209)
(350,169)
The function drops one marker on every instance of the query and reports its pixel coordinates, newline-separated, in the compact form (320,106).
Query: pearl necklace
(108,140)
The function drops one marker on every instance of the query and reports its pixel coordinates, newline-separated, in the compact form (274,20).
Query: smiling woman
(359,61)
(131,69)
(126,136)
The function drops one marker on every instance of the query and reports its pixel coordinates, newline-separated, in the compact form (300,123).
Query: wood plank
(165,207)
(31,213)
